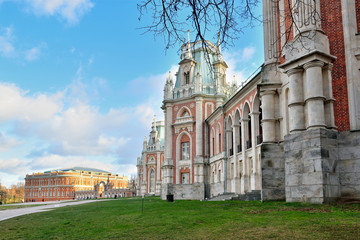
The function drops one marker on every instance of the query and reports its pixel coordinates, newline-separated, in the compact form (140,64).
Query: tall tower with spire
(200,87)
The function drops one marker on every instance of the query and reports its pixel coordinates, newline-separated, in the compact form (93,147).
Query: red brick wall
(332,25)
(192,106)
(357,7)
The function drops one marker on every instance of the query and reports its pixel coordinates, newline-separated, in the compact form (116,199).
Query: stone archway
(101,189)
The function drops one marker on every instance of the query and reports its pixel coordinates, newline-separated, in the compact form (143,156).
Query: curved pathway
(11,213)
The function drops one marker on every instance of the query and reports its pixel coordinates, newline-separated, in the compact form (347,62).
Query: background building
(149,173)
(63,184)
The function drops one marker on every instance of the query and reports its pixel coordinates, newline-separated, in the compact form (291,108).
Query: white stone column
(270,28)
(236,137)
(158,163)
(306,15)
(168,163)
(199,128)
(236,142)
(268,111)
(296,101)
(168,133)
(244,178)
(255,181)
(314,97)
(198,160)
(328,94)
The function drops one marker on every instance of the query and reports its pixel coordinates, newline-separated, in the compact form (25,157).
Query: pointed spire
(188,31)
(145,139)
(188,52)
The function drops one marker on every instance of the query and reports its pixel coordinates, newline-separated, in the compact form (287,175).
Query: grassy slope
(188,219)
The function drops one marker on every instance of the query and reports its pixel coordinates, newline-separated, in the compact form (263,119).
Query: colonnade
(310,97)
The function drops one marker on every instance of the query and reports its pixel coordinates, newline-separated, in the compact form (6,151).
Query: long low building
(64,184)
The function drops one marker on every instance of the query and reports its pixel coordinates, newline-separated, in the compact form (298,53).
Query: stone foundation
(348,166)
(310,161)
(194,191)
(216,189)
(272,172)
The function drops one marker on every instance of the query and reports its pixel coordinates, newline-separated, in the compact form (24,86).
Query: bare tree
(13,194)
(132,182)
(228,18)
(172,18)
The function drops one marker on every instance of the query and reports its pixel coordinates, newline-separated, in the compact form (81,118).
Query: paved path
(11,213)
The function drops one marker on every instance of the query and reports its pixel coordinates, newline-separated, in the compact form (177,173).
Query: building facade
(149,174)
(290,133)
(64,184)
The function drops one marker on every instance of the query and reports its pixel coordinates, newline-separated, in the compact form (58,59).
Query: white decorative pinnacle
(220,58)
(188,56)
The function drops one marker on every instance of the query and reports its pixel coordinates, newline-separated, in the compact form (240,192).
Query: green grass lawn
(122,219)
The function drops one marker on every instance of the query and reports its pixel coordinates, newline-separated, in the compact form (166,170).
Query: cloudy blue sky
(80,83)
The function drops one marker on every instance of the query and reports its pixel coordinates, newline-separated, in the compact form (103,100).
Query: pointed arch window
(152,181)
(185,151)
(185,114)
(187,77)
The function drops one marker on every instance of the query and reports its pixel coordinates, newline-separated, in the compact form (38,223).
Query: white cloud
(64,129)
(91,60)
(8,49)
(16,104)
(6,46)
(248,53)
(13,166)
(34,53)
(6,143)
(238,64)
(70,10)
(54,161)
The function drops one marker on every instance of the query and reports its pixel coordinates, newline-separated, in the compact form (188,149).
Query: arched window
(247,126)
(237,131)
(219,173)
(187,77)
(185,178)
(219,140)
(229,137)
(185,153)
(152,181)
(207,90)
(212,142)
